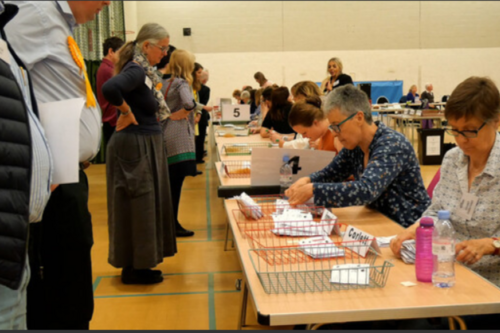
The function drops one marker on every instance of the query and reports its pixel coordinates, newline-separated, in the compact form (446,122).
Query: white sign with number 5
(235,112)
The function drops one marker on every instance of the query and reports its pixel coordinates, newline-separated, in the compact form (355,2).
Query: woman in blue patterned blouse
(383,162)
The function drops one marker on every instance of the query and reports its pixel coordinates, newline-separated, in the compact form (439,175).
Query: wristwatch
(496,245)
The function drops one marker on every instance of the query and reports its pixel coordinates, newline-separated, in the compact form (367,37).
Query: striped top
(41,168)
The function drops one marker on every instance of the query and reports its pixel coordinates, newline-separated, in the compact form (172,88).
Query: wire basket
(348,271)
(260,217)
(238,149)
(232,131)
(236,169)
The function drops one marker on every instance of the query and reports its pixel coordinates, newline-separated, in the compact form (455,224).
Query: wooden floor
(199,287)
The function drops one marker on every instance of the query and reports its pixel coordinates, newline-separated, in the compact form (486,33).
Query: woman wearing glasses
(383,162)
(140,219)
(470,176)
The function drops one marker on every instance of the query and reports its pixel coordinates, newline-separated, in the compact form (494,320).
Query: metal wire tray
(236,169)
(318,275)
(238,149)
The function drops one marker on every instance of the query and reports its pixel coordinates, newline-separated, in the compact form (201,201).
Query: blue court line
(211,303)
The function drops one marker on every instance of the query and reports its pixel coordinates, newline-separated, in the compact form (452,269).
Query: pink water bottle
(424,260)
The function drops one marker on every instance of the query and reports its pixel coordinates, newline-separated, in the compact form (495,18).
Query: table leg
(243,306)
(226,240)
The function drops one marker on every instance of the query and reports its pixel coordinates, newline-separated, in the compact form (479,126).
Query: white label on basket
(351,274)
(359,241)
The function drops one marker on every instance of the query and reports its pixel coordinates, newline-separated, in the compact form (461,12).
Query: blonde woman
(337,78)
(140,219)
(303,89)
(179,134)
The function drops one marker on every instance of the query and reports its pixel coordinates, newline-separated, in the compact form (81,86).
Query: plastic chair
(403,99)
(434,181)
(445,98)
(382,100)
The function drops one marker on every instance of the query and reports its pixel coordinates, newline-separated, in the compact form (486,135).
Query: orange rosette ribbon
(78,58)
(159,86)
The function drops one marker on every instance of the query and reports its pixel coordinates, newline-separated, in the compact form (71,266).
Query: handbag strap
(168,88)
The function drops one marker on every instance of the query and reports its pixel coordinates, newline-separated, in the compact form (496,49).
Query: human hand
(179,115)
(329,86)
(197,118)
(275,137)
(53,187)
(471,251)
(255,130)
(125,121)
(300,182)
(397,241)
(313,144)
(208,108)
(299,194)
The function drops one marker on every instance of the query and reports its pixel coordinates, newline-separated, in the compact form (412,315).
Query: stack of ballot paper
(351,274)
(320,247)
(384,241)
(249,207)
(408,250)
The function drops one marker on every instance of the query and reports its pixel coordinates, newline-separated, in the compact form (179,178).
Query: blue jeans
(13,304)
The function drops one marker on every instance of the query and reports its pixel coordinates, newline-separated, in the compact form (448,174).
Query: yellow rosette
(78,58)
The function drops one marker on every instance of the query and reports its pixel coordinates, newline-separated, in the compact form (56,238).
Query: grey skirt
(140,214)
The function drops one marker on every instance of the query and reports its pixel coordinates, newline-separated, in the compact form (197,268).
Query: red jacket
(104,73)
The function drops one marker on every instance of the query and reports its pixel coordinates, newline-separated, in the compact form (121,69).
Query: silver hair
(245,94)
(427,85)
(151,32)
(349,100)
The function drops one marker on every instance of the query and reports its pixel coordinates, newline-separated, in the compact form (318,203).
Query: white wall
(430,41)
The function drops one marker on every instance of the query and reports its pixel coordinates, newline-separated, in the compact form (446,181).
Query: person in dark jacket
(25,175)
(337,78)
(60,292)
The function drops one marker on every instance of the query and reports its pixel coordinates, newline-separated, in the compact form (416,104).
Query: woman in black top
(140,220)
(277,117)
(336,78)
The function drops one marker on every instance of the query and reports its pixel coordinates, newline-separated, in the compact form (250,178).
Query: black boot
(181,232)
(140,276)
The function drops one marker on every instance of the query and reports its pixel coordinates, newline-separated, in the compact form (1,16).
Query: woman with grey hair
(140,219)
(383,162)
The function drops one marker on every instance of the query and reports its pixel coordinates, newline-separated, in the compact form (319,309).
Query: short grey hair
(349,100)
(245,94)
(151,32)
(427,85)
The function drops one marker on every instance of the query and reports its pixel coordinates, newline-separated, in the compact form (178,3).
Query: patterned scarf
(163,110)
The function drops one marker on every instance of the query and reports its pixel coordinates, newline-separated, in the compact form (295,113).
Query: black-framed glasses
(163,49)
(336,128)
(466,134)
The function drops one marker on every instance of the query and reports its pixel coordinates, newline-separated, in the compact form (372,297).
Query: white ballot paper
(351,274)
(61,122)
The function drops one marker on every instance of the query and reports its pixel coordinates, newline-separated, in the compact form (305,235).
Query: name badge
(336,83)
(4,52)
(149,83)
(467,206)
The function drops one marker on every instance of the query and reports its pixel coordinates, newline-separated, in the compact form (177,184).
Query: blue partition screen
(392,90)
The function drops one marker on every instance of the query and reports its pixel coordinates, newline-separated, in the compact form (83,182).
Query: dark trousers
(176,180)
(107,132)
(60,293)
(199,140)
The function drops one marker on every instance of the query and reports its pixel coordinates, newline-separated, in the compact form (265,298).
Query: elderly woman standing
(179,134)
(141,224)
(386,170)
(337,78)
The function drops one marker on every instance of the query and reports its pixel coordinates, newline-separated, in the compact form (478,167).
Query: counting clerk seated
(277,117)
(383,162)
(470,177)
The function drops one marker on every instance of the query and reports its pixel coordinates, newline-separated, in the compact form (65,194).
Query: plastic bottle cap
(426,221)
(286,158)
(443,215)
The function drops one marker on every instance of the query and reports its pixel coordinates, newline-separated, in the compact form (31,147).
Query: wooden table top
(472,294)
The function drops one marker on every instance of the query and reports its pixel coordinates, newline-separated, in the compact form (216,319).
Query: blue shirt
(41,163)
(391,182)
(39,35)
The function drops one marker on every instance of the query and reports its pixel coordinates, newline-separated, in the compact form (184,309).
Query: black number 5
(236,113)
